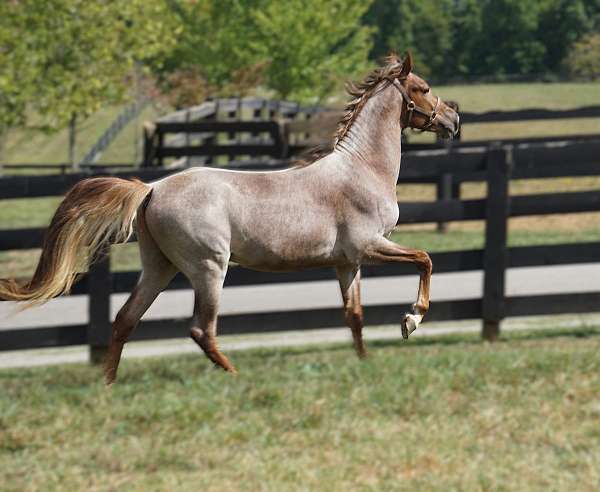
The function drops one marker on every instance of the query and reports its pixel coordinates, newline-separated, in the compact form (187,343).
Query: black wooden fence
(495,165)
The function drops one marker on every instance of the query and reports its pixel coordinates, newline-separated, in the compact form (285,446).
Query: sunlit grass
(452,414)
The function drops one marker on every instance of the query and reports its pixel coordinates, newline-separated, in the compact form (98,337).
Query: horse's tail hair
(94,212)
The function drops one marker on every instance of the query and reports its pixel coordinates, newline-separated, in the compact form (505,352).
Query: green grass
(485,97)
(452,414)
(30,146)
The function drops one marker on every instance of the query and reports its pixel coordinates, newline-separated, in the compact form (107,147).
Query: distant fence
(108,136)
(259,129)
(496,166)
(248,128)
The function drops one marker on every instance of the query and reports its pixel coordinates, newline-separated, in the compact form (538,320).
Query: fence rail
(496,166)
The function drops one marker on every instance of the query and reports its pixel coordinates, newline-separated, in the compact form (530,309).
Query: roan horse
(336,211)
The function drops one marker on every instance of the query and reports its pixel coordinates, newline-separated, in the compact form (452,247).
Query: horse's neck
(373,139)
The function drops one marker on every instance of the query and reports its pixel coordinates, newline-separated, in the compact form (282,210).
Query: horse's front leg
(386,251)
(349,278)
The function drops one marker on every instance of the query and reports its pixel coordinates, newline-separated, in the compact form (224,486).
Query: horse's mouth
(446,131)
(447,128)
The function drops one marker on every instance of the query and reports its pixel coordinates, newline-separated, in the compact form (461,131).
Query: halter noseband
(413,108)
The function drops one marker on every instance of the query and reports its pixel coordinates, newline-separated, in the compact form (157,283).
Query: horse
(336,211)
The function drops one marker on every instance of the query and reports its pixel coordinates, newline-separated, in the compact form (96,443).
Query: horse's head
(422,110)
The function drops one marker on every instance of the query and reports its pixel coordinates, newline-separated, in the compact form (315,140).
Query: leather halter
(413,108)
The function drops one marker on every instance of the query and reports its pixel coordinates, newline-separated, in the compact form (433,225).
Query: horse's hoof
(409,324)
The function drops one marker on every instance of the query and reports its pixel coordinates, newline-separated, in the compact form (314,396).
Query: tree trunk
(72,142)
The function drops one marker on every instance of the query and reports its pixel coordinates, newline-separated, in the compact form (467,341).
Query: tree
(508,41)
(466,33)
(17,75)
(79,55)
(299,49)
(483,37)
(562,23)
(311,45)
(424,27)
(213,44)
(584,59)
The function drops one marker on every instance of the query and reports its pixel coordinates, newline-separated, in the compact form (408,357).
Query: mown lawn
(445,414)
(30,146)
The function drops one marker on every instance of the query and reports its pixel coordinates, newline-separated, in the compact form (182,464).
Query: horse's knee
(425,264)
(356,317)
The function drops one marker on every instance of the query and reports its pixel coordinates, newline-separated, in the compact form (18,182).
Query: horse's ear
(407,65)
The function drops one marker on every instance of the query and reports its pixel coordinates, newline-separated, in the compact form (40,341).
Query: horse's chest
(387,214)
(379,217)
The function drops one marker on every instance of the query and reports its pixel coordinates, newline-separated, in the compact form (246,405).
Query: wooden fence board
(556,254)
(30,338)
(584,302)
(555,203)
(271,127)
(441,211)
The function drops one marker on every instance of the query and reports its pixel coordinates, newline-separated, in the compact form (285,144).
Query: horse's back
(271,220)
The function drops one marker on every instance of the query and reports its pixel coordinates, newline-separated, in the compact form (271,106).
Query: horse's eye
(426,90)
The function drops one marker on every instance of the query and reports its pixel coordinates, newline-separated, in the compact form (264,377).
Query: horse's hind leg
(157,272)
(208,284)
(349,279)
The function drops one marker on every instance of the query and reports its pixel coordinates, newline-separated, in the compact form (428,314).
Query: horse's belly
(281,255)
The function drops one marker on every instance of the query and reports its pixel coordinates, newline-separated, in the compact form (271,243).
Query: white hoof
(410,323)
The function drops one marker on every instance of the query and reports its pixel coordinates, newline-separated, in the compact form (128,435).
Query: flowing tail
(94,212)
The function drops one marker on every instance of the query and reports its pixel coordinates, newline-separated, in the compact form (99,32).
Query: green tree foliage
(584,59)
(214,40)
(453,38)
(298,48)
(311,45)
(425,27)
(17,75)
(84,52)
(561,24)
(507,40)
(64,59)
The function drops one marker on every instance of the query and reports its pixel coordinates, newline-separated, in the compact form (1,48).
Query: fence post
(149,144)
(99,325)
(234,137)
(160,145)
(495,258)
(447,189)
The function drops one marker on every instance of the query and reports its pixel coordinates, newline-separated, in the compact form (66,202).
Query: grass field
(30,146)
(447,414)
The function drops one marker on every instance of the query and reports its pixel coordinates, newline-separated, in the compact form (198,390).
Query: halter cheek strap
(411,108)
